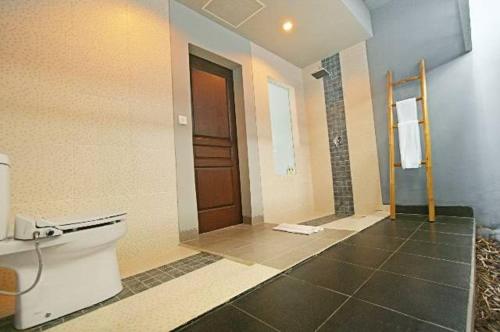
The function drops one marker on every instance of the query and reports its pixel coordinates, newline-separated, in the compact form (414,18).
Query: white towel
(409,133)
(299,229)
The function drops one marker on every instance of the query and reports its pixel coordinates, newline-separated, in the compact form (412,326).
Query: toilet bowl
(80,266)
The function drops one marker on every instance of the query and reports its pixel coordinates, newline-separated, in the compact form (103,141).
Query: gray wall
(463,91)
(336,120)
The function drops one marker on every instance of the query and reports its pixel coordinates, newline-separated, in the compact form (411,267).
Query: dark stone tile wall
(339,154)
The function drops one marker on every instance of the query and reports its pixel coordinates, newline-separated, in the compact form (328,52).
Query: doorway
(215,150)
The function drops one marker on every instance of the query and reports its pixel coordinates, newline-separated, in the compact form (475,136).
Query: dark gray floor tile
(360,316)
(291,305)
(137,288)
(451,219)
(411,217)
(443,238)
(443,251)
(392,229)
(176,273)
(406,221)
(167,268)
(335,275)
(368,257)
(375,241)
(443,305)
(457,228)
(129,279)
(125,293)
(155,272)
(152,283)
(226,319)
(165,277)
(437,270)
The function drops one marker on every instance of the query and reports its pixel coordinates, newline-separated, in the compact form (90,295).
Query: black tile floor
(403,275)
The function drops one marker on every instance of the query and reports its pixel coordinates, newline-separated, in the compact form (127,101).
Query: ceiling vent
(233,12)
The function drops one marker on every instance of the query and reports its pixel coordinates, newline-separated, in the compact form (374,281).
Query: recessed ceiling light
(288,26)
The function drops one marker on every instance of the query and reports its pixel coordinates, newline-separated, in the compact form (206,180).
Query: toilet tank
(4,195)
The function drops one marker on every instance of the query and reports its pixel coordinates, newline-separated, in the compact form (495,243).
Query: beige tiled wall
(360,130)
(286,198)
(319,147)
(86,116)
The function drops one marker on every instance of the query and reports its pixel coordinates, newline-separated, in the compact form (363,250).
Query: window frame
(291,170)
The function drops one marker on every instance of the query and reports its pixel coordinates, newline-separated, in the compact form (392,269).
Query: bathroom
(98,120)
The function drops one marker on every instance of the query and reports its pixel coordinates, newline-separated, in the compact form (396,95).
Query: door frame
(238,59)
(214,68)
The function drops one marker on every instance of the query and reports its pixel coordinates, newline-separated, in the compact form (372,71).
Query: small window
(281,126)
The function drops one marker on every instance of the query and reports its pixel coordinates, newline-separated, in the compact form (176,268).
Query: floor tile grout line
(450,233)
(198,318)
(426,280)
(349,263)
(319,286)
(441,243)
(388,258)
(381,234)
(400,274)
(439,216)
(362,246)
(254,317)
(458,223)
(402,313)
(422,230)
(257,287)
(333,313)
(368,279)
(435,258)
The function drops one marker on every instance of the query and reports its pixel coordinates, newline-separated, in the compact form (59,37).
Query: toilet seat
(26,226)
(68,225)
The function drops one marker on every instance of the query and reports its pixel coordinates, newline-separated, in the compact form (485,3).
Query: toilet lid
(79,223)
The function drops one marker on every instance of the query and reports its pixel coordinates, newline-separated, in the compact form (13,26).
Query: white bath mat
(298,229)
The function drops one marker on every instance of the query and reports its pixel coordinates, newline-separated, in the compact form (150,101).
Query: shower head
(322,72)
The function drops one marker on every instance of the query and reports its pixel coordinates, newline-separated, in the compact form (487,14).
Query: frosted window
(281,125)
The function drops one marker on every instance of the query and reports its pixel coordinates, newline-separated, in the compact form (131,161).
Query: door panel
(213,219)
(212,152)
(220,182)
(210,109)
(214,146)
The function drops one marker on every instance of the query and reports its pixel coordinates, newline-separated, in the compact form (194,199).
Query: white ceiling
(321,27)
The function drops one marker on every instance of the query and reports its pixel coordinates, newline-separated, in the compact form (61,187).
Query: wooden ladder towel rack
(427,163)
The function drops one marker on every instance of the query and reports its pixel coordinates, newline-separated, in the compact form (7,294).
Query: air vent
(233,12)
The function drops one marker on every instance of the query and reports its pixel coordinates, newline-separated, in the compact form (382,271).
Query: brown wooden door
(214,145)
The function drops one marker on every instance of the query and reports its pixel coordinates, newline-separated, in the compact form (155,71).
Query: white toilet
(80,266)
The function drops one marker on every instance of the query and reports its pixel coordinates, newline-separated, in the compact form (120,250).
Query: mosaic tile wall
(337,135)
